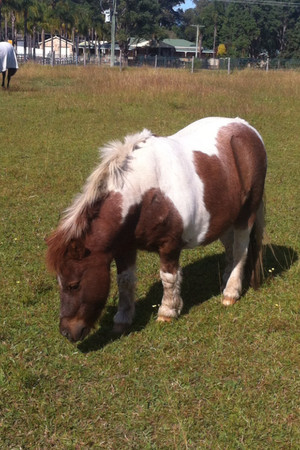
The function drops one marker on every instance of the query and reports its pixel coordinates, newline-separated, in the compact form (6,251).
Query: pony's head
(83,276)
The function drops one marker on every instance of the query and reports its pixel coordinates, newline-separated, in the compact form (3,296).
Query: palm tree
(0,20)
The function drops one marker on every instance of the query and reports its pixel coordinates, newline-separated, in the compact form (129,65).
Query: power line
(263,2)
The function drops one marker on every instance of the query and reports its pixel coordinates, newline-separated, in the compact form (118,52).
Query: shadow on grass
(201,281)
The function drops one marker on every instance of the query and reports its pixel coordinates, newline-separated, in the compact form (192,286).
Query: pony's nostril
(66,334)
(73,329)
(84,332)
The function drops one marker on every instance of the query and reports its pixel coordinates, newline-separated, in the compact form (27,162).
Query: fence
(191,64)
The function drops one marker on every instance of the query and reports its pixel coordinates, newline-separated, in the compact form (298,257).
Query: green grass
(217,378)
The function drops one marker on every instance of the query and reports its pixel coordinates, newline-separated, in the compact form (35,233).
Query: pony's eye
(73,286)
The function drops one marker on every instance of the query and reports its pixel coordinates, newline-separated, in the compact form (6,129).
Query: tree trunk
(215,38)
(5,27)
(0,20)
(25,32)
(60,33)
(43,44)
(66,43)
(33,41)
(13,20)
(281,37)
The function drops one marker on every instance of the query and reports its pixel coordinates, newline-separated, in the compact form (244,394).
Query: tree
(292,48)
(239,30)
(1,20)
(136,18)
(246,28)
(210,15)
(221,50)
(23,6)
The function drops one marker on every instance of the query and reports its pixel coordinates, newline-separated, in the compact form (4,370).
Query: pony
(160,194)
(8,62)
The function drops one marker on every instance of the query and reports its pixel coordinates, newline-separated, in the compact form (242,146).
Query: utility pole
(110,17)
(215,37)
(113,34)
(198,41)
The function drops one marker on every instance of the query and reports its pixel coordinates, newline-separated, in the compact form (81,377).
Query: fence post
(267,65)
(155,62)
(193,58)
(84,57)
(228,66)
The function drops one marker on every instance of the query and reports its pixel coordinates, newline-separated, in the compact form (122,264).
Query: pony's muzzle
(74,330)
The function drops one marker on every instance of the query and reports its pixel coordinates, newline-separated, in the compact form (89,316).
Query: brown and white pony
(8,62)
(160,194)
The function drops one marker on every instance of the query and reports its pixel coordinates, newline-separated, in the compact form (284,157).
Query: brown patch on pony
(160,226)
(221,194)
(57,244)
(62,243)
(153,225)
(251,164)
(234,180)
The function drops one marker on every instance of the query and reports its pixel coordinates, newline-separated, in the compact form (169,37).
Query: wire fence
(192,64)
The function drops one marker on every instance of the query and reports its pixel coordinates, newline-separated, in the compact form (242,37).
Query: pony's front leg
(171,277)
(126,285)
(233,288)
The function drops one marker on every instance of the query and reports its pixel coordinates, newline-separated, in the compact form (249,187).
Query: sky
(187,4)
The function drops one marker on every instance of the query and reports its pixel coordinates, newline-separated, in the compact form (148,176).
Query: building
(64,44)
(186,49)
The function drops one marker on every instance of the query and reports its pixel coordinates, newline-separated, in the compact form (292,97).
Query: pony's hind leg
(10,73)
(227,240)
(171,277)
(3,78)
(233,288)
(126,285)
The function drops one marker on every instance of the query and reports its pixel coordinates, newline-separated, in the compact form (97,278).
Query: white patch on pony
(59,281)
(167,163)
(233,288)
(172,303)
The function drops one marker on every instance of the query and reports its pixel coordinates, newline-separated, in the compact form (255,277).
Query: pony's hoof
(121,328)
(228,301)
(164,319)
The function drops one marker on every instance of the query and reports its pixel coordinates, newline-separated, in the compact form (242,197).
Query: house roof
(57,37)
(180,43)
(141,43)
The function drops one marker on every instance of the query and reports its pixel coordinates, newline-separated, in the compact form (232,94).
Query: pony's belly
(194,234)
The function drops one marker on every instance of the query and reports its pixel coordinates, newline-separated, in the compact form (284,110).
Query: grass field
(215,379)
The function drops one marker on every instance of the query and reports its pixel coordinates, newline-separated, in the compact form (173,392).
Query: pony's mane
(108,176)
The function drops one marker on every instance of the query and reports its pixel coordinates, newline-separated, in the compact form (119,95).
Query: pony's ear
(77,250)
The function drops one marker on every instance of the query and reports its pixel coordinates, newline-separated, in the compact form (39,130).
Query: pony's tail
(255,251)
